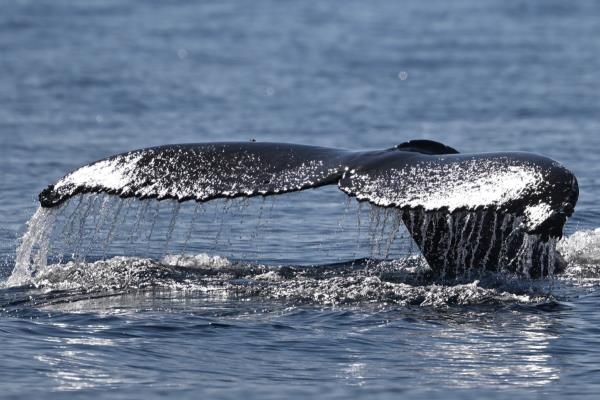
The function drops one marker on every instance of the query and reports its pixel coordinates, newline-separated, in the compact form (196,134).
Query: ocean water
(306,294)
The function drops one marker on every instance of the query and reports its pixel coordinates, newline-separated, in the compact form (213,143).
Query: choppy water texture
(307,294)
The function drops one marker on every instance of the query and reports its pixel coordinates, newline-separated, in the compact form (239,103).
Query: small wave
(400,282)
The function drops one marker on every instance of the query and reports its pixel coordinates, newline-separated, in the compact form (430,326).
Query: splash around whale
(498,211)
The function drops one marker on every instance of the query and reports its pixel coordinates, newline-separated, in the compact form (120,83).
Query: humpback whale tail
(491,210)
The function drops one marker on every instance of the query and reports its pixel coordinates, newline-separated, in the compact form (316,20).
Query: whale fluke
(203,172)
(433,185)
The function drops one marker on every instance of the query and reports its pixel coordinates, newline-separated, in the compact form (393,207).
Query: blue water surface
(83,80)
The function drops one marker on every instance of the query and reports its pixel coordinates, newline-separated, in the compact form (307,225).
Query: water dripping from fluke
(463,245)
(33,248)
(453,247)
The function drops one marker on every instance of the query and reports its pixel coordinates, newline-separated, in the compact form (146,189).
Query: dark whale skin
(418,177)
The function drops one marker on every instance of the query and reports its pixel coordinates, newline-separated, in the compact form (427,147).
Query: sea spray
(581,247)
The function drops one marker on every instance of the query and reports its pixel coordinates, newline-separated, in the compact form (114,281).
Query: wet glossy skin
(420,176)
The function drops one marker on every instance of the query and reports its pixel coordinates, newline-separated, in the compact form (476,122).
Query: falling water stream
(99,242)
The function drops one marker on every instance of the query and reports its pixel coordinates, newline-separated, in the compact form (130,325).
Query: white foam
(375,283)
(116,273)
(202,260)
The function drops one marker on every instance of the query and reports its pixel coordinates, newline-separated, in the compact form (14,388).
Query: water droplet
(182,54)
